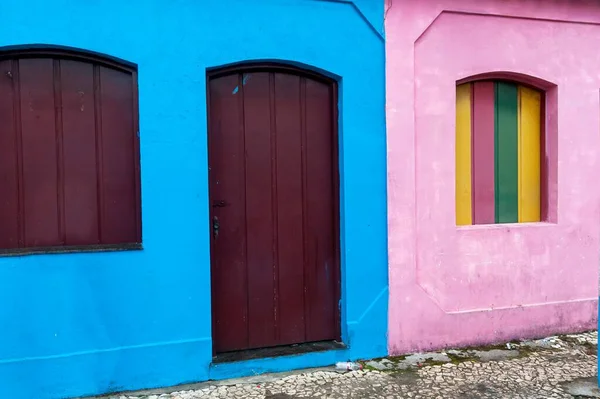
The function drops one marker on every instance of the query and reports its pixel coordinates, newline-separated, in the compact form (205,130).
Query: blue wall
(80,324)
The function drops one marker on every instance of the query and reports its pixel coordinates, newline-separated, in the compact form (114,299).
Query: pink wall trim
(475,284)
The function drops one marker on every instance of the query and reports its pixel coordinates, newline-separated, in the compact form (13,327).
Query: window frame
(93,58)
(547,92)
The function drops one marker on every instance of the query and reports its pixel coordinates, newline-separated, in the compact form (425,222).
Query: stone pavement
(554,367)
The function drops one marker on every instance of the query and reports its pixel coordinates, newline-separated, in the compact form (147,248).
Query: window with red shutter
(69,152)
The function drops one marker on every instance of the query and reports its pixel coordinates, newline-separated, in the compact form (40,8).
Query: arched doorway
(273,171)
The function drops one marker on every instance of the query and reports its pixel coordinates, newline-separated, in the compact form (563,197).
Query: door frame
(250,67)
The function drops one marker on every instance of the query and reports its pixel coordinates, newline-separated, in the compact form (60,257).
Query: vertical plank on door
(119,197)
(259,209)
(79,153)
(483,153)
(227,182)
(529,154)
(506,155)
(463,155)
(9,153)
(289,126)
(320,260)
(40,174)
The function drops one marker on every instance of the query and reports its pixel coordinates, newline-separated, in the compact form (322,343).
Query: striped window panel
(498,153)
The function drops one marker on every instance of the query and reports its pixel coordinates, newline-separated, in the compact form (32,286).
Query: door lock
(215,227)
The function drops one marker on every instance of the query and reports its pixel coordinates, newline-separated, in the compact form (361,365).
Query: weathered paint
(463,155)
(81,324)
(529,154)
(465,285)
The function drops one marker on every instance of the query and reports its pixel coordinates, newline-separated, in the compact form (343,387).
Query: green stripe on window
(506,153)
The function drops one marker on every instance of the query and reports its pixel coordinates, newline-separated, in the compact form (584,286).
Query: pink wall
(469,285)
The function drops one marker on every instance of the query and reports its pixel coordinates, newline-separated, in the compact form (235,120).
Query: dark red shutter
(69,153)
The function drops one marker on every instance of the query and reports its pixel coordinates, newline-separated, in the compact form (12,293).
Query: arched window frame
(15,54)
(548,144)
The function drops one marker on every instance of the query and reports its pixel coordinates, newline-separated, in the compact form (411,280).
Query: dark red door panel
(228,215)
(318,203)
(290,220)
(260,250)
(274,205)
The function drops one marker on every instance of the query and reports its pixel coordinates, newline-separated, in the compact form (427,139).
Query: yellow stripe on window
(529,154)
(463,155)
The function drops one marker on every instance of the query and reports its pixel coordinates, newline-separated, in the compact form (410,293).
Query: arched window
(69,152)
(499,153)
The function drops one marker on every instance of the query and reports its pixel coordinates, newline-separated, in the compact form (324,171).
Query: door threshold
(277,351)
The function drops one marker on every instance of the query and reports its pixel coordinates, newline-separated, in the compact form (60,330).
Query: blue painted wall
(81,324)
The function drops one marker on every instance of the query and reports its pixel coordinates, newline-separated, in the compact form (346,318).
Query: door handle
(215,227)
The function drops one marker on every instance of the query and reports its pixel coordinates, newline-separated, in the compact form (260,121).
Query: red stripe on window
(483,153)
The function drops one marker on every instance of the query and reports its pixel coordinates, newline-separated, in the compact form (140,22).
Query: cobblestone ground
(555,367)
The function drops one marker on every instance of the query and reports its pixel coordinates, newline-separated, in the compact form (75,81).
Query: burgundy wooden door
(274,206)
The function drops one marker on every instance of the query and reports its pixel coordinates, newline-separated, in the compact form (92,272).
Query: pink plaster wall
(477,284)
